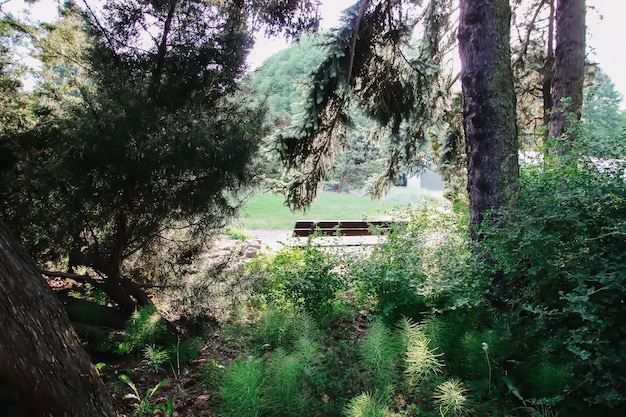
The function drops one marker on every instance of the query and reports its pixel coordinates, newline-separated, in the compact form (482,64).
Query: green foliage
(281,381)
(451,397)
(280,82)
(281,328)
(373,66)
(154,358)
(283,393)
(237,233)
(144,329)
(306,277)
(144,407)
(290,376)
(366,405)
(548,379)
(422,268)
(421,361)
(603,121)
(153,140)
(558,255)
(379,352)
(241,387)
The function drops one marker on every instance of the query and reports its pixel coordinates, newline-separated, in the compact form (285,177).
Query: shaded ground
(187,389)
(185,392)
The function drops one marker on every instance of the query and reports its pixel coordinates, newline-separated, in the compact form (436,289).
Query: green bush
(281,328)
(424,266)
(559,257)
(306,277)
(277,380)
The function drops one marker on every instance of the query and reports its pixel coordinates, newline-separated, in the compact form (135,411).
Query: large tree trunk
(40,356)
(488,105)
(569,67)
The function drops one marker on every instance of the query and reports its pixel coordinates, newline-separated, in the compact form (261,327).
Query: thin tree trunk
(569,67)
(40,355)
(128,296)
(489,115)
(162,48)
(548,70)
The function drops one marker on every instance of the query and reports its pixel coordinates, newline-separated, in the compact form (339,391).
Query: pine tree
(152,138)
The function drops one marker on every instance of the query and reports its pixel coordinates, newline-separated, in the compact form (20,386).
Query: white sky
(606,32)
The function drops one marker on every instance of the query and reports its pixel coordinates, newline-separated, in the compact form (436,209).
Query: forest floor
(184,389)
(183,392)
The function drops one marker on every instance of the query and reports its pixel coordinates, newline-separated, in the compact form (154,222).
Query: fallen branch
(85,279)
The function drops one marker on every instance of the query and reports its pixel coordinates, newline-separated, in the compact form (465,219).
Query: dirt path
(272,239)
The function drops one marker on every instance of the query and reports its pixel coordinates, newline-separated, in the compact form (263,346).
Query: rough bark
(41,359)
(128,296)
(569,66)
(489,114)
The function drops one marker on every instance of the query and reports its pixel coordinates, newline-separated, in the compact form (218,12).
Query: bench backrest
(305,228)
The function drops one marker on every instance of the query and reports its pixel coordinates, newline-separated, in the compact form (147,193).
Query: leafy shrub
(306,277)
(423,266)
(560,256)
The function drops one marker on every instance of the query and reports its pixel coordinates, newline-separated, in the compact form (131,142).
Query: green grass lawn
(267,211)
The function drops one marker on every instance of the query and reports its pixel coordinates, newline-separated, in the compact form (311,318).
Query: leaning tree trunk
(41,359)
(569,67)
(488,105)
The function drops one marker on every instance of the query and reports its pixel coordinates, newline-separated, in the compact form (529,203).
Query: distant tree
(532,47)
(603,119)
(280,83)
(42,364)
(569,67)
(361,160)
(15,114)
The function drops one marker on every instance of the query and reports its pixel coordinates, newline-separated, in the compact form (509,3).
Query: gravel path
(274,239)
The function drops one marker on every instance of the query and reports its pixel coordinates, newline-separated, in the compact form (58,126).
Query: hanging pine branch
(371,63)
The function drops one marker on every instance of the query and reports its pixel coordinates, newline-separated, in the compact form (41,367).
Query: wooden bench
(368,231)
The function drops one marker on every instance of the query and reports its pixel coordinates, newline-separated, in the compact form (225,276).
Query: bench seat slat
(304,228)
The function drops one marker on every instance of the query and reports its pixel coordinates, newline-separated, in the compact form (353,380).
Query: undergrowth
(530,323)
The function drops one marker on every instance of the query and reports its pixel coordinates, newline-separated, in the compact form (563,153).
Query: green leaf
(125,379)
(512,388)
